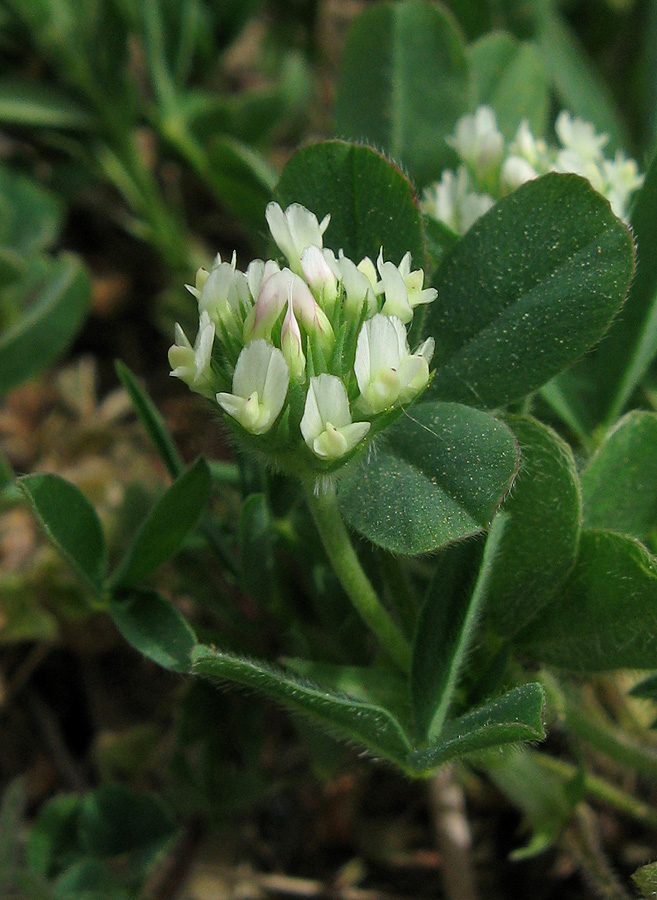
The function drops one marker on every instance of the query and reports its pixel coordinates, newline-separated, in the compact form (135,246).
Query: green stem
(600,789)
(601,734)
(340,551)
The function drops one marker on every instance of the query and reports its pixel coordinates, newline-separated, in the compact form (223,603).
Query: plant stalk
(345,562)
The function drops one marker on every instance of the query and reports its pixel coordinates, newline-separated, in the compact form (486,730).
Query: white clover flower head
(623,178)
(386,372)
(193,364)
(281,350)
(453,201)
(294,230)
(478,141)
(260,384)
(326,426)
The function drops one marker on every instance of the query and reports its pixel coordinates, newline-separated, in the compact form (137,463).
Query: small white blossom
(260,384)
(193,364)
(386,372)
(358,287)
(225,296)
(294,230)
(623,178)
(320,276)
(326,425)
(272,300)
(580,137)
(292,343)
(478,141)
(257,272)
(403,288)
(452,201)
(515,172)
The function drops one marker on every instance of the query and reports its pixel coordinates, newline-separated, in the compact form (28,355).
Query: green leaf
(371,203)
(619,485)
(240,179)
(545,802)
(626,352)
(351,717)
(438,475)
(70,522)
(116,820)
(539,545)
(518,302)
(12,812)
(164,530)
(403,83)
(510,77)
(57,294)
(579,87)
(516,716)
(53,839)
(154,627)
(31,215)
(37,105)
(256,548)
(443,635)
(150,418)
(386,688)
(605,617)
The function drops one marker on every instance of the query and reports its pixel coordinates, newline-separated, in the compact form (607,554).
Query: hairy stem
(345,562)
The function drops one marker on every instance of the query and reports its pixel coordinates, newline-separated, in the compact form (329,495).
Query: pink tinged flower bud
(292,342)
(326,425)
(386,372)
(257,273)
(193,364)
(319,276)
(260,384)
(294,230)
(274,296)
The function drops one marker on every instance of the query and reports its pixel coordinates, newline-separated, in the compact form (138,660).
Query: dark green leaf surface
(515,717)
(438,475)
(501,65)
(540,541)
(403,83)
(606,614)
(154,627)
(255,535)
(531,286)
(443,636)
(351,717)
(70,522)
(619,485)
(164,530)
(56,294)
(371,203)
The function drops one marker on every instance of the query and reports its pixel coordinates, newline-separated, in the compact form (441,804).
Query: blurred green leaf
(31,216)
(518,304)
(55,295)
(164,530)
(438,476)
(605,616)
(403,83)
(619,485)
(544,515)
(154,627)
(510,77)
(358,187)
(443,636)
(70,522)
(52,841)
(35,105)
(240,179)
(255,534)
